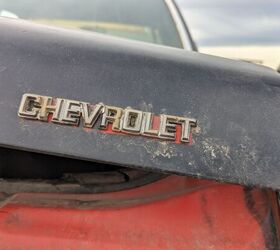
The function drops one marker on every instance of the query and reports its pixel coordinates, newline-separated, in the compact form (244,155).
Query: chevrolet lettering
(128,120)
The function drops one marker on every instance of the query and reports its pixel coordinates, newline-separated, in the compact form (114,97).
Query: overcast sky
(233,22)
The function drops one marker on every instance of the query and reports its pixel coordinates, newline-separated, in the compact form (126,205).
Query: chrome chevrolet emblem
(119,120)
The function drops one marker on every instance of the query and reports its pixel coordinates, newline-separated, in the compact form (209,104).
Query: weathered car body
(227,144)
(120,188)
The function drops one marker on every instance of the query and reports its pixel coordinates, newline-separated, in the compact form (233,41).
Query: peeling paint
(213,149)
(147,107)
(161,149)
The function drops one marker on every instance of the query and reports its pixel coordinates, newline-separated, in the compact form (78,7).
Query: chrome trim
(128,120)
(179,25)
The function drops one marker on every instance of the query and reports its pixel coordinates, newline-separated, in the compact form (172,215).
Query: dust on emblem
(118,120)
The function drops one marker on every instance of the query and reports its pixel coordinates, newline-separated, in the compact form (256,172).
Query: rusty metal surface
(236,103)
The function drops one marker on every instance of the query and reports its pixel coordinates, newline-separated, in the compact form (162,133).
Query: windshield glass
(145,20)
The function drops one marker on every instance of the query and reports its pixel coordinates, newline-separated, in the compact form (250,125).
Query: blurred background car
(252,35)
(156,22)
